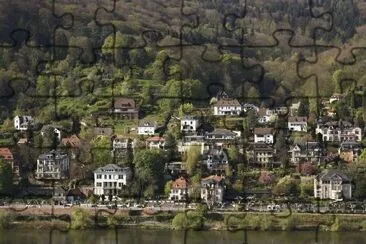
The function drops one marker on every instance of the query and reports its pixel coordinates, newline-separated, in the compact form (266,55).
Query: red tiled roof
(156,138)
(6,153)
(73,141)
(180,183)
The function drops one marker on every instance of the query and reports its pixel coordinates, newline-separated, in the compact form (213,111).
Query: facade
(266,116)
(125,108)
(121,142)
(216,159)
(261,153)
(248,106)
(189,124)
(22,123)
(53,165)
(332,185)
(155,142)
(349,151)
(297,124)
(179,190)
(192,141)
(227,107)
(108,180)
(339,132)
(265,135)
(221,134)
(307,152)
(147,128)
(212,189)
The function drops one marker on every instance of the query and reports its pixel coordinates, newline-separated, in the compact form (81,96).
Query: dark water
(134,236)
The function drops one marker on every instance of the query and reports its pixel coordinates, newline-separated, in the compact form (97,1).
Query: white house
(339,132)
(266,116)
(179,190)
(189,124)
(212,189)
(297,124)
(147,128)
(334,185)
(265,135)
(309,151)
(108,180)
(155,142)
(121,142)
(227,107)
(53,165)
(22,122)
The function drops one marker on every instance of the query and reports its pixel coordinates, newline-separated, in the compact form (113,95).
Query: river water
(137,236)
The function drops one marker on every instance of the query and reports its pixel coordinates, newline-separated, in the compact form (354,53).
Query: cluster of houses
(211,143)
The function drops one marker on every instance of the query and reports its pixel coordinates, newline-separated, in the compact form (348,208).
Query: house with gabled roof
(125,108)
(297,123)
(349,151)
(265,135)
(332,184)
(146,128)
(227,107)
(110,179)
(179,190)
(306,152)
(157,142)
(23,122)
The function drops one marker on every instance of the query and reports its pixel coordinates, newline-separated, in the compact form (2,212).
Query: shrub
(5,219)
(189,220)
(80,219)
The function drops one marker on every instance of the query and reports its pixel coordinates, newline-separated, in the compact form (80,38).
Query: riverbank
(195,220)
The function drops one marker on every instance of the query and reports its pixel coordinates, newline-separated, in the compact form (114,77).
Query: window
(110,176)
(99,184)
(99,176)
(120,184)
(105,176)
(120,176)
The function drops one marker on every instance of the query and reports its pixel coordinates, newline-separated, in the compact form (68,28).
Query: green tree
(287,186)
(171,146)
(101,150)
(149,168)
(168,188)
(193,158)
(80,219)
(6,177)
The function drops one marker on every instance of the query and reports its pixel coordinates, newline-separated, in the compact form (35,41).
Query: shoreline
(192,220)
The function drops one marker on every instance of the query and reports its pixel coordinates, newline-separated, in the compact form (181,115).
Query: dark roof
(329,174)
(297,119)
(147,124)
(222,132)
(53,155)
(112,168)
(105,131)
(228,102)
(263,147)
(124,103)
(263,131)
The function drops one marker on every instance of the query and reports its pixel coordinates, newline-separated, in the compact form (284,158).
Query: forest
(68,58)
